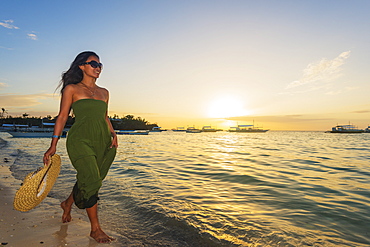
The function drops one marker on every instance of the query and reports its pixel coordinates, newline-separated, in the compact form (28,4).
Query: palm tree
(3,111)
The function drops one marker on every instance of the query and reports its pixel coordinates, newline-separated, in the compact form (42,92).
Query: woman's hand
(114,142)
(51,151)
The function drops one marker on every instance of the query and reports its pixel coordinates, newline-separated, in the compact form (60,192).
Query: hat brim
(37,185)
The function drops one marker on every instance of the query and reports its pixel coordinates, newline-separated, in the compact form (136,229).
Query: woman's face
(92,67)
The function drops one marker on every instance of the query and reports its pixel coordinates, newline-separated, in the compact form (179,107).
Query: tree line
(128,122)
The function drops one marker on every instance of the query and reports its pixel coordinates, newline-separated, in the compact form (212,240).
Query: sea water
(226,189)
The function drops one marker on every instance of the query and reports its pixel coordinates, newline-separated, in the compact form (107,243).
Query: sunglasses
(93,64)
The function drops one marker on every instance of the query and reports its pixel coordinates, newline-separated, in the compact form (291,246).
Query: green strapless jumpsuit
(88,146)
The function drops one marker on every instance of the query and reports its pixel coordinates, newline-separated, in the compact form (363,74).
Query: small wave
(280,189)
(3,143)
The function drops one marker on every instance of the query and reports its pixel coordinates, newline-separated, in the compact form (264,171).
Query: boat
(157,129)
(24,131)
(193,130)
(179,129)
(346,128)
(132,132)
(11,127)
(208,129)
(250,128)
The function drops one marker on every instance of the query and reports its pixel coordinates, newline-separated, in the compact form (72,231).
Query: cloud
(32,36)
(346,89)
(3,85)
(6,48)
(361,111)
(19,100)
(323,71)
(8,24)
(280,118)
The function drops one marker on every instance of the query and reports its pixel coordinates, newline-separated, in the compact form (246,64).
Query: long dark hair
(74,74)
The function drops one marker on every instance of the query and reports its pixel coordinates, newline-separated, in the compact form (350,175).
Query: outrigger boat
(208,129)
(250,128)
(24,131)
(346,128)
(193,130)
(132,132)
(179,129)
(157,129)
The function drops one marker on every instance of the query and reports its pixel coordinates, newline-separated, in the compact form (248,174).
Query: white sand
(42,226)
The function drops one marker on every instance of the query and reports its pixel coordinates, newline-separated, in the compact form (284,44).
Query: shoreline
(41,226)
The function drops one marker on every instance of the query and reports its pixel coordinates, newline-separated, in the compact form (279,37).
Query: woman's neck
(90,82)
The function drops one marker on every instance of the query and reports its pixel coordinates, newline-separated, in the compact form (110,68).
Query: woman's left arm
(111,129)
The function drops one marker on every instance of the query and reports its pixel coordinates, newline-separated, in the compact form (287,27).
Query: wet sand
(41,226)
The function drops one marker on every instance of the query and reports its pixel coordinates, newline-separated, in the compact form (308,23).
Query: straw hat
(37,185)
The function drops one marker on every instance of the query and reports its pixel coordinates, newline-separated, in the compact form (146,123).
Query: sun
(227,106)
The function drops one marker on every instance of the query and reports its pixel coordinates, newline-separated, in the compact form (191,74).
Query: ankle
(95,228)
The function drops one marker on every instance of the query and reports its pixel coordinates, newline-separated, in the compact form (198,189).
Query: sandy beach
(41,226)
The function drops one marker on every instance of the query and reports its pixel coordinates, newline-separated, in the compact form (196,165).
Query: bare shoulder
(104,91)
(70,88)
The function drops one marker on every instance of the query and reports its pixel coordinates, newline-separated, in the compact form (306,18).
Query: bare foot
(66,217)
(100,236)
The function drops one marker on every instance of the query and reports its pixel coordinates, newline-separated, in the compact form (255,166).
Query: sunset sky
(286,65)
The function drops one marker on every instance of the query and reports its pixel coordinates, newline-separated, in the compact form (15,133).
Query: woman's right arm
(65,108)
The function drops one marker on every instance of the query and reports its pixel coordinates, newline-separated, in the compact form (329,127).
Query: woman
(91,142)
